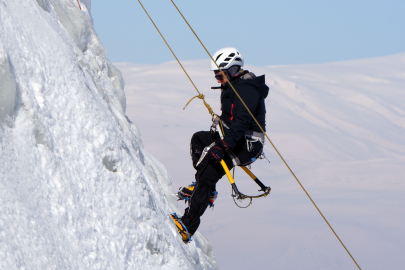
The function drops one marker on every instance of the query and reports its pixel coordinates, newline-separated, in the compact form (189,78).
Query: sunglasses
(219,76)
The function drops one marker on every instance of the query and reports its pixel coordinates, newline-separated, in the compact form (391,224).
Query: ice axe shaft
(228,173)
(258,182)
(230,178)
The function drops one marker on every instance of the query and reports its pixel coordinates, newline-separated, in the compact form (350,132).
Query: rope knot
(202,97)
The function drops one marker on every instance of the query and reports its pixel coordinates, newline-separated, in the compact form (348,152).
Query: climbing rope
(79,5)
(213,115)
(200,96)
(267,136)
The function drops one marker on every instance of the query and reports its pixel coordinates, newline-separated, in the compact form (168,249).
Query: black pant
(208,174)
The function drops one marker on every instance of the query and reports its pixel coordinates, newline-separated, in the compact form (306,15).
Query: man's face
(220,78)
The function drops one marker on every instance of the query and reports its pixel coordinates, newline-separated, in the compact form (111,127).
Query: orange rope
(79,5)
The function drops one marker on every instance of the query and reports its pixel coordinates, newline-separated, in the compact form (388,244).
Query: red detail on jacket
(232,112)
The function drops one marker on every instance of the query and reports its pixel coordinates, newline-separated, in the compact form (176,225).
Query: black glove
(218,151)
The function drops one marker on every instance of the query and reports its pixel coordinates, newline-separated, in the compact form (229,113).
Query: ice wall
(77,188)
(7,87)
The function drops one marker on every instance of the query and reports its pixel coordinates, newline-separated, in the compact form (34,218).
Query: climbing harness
(201,96)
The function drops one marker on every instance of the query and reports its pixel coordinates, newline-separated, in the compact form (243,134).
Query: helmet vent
(218,57)
(225,58)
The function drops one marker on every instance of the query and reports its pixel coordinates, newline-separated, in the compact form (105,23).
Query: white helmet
(226,58)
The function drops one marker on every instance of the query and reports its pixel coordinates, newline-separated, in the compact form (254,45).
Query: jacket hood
(260,83)
(249,78)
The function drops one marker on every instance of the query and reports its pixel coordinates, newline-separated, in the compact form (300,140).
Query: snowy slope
(77,188)
(341,128)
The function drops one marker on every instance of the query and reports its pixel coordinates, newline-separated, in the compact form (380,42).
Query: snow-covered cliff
(77,188)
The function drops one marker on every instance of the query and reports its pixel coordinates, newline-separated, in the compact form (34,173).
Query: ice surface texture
(7,87)
(77,188)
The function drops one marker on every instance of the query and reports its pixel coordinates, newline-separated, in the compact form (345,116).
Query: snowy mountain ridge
(77,188)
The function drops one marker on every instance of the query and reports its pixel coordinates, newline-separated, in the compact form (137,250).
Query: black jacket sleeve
(241,118)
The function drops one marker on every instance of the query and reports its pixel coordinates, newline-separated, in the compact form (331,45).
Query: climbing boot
(213,197)
(185,236)
(185,193)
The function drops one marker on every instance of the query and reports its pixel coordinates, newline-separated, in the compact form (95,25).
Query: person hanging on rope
(234,137)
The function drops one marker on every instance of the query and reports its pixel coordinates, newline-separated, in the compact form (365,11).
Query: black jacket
(253,91)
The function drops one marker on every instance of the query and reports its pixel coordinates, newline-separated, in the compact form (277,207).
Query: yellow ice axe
(239,195)
(228,173)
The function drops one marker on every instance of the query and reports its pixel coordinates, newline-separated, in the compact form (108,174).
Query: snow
(341,128)
(78,190)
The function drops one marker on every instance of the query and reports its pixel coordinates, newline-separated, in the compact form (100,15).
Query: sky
(265,32)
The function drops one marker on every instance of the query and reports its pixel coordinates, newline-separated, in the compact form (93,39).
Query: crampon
(185,236)
(185,194)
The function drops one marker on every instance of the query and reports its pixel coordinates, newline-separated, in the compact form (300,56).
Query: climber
(242,136)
